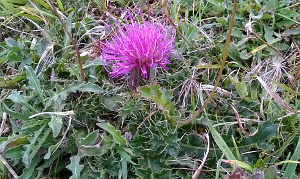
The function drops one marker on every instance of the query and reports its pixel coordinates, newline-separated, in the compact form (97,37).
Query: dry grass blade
(276,97)
(198,171)
(38,10)
(239,121)
(242,120)
(219,90)
(4,117)
(12,172)
(66,113)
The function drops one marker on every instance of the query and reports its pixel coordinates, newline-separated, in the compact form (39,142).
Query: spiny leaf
(75,167)
(90,87)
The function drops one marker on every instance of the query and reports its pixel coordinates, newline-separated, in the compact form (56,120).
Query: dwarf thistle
(136,47)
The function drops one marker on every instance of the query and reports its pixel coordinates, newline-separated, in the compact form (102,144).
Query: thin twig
(266,43)
(149,115)
(198,171)
(225,55)
(72,39)
(276,97)
(12,172)
(148,9)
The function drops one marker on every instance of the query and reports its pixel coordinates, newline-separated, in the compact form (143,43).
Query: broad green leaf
(13,113)
(240,86)
(32,148)
(288,18)
(68,24)
(166,95)
(127,154)
(14,54)
(13,81)
(50,150)
(42,3)
(271,5)
(14,153)
(30,171)
(279,152)
(266,130)
(283,3)
(33,123)
(62,92)
(124,170)
(90,87)
(19,99)
(101,3)
(146,92)
(271,172)
(93,150)
(90,139)
(13,141)
(115,133)
(268,33)
(233,53)
(55,124)
(108,103)
(34,82)
(75,167)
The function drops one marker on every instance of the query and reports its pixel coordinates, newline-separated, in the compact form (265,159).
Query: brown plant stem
(72,39)
(266,43)
(225,55)
(148,9)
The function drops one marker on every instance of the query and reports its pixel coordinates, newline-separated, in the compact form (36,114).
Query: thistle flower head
(136,47)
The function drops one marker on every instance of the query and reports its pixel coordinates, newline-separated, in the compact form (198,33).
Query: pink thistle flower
(135,48)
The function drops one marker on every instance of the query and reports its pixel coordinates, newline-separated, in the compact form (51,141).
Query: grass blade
(291,167)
